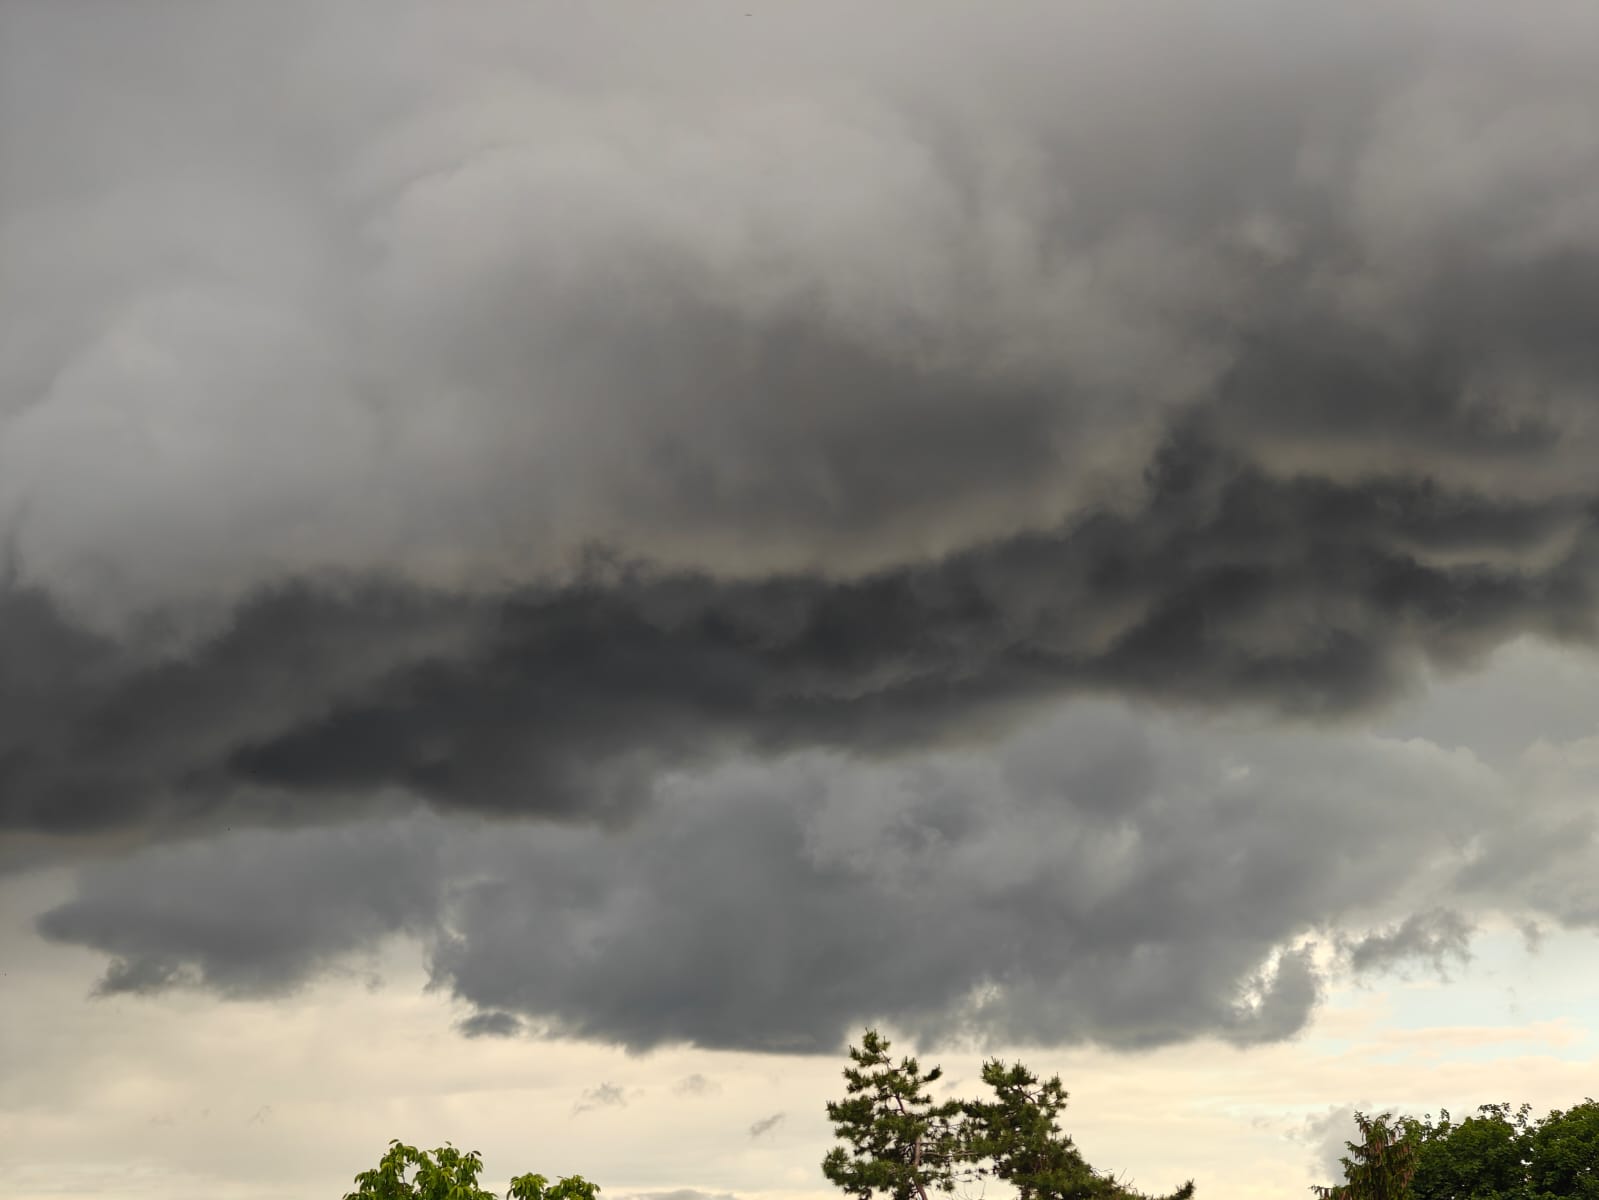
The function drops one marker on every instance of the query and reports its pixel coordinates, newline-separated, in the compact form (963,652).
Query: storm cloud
(1100,876)
(702,446)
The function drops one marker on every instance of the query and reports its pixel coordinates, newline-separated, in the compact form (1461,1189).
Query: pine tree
(1018,1133)
(903,1146)
(900,1144)
(1380,1165)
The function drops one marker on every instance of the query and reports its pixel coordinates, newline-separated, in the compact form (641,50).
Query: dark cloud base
(1105,876)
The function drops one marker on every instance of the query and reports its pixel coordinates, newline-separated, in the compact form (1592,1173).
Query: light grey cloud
(695,1085)
(602,1095)
(766,1124)
(1532,935)
(1327,1135)
(761,302)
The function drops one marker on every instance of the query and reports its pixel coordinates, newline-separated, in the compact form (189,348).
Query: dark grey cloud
(906,424)
(520,432)
(997,896)
(1160,408)
(1227,587)
(491,1024)
(102,736)
(1432,938)
(328,896)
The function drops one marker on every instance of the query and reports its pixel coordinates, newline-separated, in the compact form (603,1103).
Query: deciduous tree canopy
(406,1173)
(1499,1154)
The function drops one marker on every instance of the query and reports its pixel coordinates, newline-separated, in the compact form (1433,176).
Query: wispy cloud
(766,1124)
(603,1095)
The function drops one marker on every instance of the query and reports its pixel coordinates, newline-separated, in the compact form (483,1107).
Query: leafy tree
(1563,1154)
(537,1187)
(1499,1154)
(1479,1158)
(903,1146)
(406,1173)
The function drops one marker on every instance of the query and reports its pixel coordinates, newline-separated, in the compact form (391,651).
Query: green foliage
(1481,1157)
(1563,1154)
(446,1174)
(1499,1154)
(537,1187)
(902,1146)
(406,1173)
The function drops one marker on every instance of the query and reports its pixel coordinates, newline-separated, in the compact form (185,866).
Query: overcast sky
(556,560)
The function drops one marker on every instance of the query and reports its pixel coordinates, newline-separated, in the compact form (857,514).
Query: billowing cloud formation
(1102,876)
(551,407)
(754,300)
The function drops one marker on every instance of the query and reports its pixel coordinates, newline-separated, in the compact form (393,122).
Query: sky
(557,561)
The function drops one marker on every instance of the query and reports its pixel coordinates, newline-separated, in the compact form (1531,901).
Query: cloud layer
(1226,588)
(696,443)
